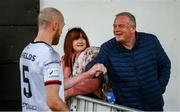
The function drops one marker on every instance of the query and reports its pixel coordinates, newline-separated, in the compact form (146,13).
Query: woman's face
(79,45)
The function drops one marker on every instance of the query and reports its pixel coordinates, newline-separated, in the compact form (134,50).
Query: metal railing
(87,104)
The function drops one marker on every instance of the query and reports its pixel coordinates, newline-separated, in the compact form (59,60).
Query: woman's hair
(73,34)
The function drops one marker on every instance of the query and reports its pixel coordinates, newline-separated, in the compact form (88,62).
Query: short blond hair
(49,14)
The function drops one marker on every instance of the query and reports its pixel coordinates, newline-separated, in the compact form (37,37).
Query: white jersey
(39,66)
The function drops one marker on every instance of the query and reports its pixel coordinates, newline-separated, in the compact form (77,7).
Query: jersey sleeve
(53,74)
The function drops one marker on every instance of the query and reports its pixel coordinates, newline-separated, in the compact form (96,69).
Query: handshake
(96,70)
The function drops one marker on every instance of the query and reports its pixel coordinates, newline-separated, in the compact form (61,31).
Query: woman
(74,60)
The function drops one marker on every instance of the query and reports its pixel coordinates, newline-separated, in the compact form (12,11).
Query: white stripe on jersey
(39,65)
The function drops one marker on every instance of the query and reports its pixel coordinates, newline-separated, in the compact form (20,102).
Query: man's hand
(97,69)
(70,82)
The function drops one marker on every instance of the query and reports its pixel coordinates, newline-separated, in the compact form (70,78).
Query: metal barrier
(87,104)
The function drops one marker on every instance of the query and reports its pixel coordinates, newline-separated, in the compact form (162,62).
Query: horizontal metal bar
(120,107)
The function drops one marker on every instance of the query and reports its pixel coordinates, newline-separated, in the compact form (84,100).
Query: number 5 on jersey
(27,89)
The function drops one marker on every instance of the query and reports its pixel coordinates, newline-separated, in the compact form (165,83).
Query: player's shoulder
(44,50)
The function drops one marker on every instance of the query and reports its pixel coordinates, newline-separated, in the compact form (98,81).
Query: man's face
(122,29)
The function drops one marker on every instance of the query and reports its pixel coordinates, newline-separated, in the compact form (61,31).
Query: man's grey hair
(49,14)
(132,19)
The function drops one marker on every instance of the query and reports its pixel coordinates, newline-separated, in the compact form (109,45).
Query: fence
(87,104)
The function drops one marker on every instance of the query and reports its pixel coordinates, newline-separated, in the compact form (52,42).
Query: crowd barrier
(86,104)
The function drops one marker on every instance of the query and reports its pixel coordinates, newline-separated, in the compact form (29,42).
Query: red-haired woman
(76,56)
